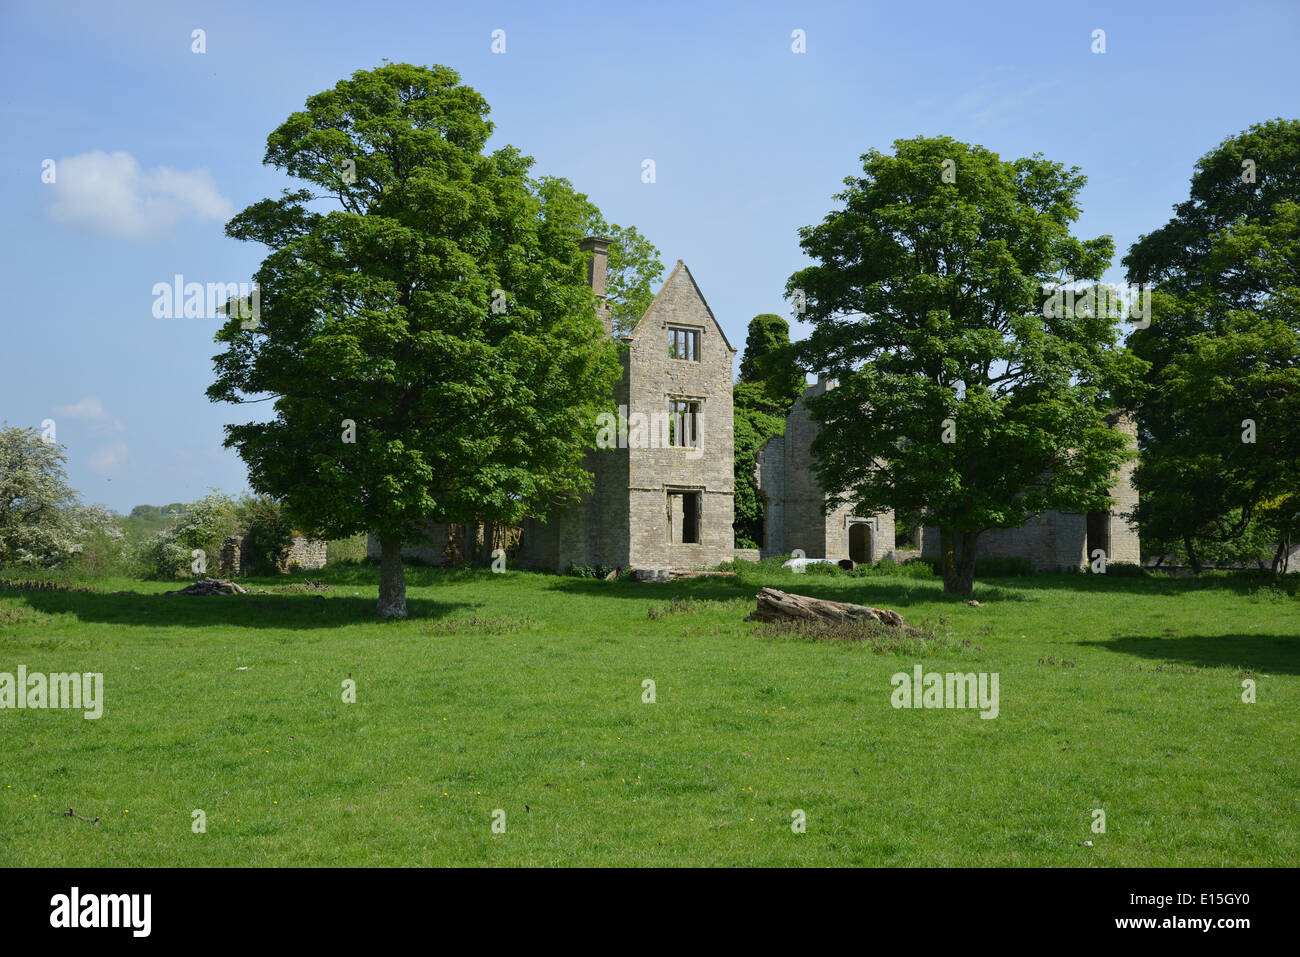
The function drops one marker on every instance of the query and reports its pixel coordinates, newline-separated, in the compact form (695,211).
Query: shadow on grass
(1240,582)
(878,592)
(292,611)
(1266,654)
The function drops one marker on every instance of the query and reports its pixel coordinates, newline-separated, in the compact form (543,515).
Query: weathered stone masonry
(301,553)
(793,500)
(655,504)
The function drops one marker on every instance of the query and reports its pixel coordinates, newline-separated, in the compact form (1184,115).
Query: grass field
(523,692)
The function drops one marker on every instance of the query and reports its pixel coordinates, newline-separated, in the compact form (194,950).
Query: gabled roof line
(696,286)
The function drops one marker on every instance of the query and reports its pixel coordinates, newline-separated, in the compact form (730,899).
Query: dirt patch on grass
(308,587)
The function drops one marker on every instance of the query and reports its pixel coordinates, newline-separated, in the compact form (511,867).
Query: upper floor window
(684,344)
(683,424)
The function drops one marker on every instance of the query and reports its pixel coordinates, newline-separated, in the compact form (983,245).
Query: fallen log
(774,605)
(211,586)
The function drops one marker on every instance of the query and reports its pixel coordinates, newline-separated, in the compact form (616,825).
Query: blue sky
(157,145)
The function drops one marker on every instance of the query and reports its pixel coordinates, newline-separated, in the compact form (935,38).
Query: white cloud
(89,409)
(110,195)
(109,458)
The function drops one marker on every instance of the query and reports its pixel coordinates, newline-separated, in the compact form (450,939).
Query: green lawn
(523,692)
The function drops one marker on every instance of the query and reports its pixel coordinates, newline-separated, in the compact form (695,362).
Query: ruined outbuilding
(793,516)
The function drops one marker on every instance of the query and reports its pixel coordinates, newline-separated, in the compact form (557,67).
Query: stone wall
(302,553)
(795,507)
(1058,541)
(1052,541)
(446,545)
(1125,541)
(796,516)
(231,561)
(431,551)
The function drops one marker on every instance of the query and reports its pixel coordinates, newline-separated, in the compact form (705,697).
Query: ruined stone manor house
(662,495)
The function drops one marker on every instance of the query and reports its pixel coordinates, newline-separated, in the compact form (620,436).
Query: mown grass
(524,692)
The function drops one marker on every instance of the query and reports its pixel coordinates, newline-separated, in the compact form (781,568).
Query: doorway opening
(860,543)
(1098,533)
(684,518)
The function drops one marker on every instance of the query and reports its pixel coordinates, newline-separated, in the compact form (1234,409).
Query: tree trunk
(958,574)
(392,577)
(947,558)
(468,543)
(966,574)
(1192,558)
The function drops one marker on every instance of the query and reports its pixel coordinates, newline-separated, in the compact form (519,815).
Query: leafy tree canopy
(429,342)
(770,382)
(771,359)
(1217,412)
(42,520)
(959,400)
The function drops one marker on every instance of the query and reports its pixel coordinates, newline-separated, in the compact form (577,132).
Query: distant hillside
(146,520)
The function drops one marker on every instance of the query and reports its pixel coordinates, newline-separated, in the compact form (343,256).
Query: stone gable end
(665,500)
(673,489)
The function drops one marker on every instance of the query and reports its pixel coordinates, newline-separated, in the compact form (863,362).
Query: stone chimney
(598,246)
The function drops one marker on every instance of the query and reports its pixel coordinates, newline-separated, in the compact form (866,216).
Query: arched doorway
(860,542)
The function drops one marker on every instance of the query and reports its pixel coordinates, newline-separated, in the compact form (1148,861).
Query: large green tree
(1218,411)
(771,359)
(959,400)
(770,381)
(428,339)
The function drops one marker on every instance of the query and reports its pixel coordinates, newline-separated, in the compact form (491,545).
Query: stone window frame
(690,329)
(914,534)
(698,400)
